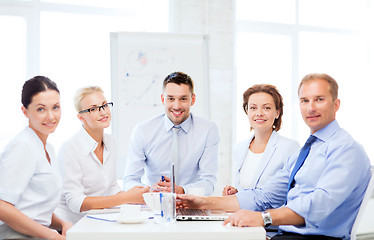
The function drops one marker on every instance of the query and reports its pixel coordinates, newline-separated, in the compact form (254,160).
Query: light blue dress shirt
(328,190)
(150,153)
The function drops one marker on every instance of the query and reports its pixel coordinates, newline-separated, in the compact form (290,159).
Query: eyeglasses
(97,108)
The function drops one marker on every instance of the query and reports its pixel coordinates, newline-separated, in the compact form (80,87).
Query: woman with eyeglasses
(30,186)
(88,161)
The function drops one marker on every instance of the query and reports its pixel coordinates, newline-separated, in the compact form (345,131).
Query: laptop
(200,215)
(196,214)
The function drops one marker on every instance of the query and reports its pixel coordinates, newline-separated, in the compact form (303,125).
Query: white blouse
(83,173)
(250,167)
(27,179)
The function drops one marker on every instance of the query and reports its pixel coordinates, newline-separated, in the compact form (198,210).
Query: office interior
(249,42)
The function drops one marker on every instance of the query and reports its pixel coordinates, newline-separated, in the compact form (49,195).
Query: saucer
(138,219)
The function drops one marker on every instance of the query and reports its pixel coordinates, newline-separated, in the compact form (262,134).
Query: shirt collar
(328,131)
(88,144)
(37,139)
(106,142)
(49,148)
(185,125)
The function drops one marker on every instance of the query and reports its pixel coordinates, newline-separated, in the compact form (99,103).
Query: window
(300,37)
(258,51)
(13,69)
(279,11)
(69,42)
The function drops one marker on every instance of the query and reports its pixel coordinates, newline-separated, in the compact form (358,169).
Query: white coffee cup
(130,211)
(152,200)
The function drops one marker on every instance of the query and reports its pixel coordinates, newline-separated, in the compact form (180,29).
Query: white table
(92,229)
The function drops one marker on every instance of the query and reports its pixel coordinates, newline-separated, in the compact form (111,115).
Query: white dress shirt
(83,174)
(27,180)
(277,152)
(150,153)
(249,169)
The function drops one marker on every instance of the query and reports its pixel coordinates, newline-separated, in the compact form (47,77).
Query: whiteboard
(139,64)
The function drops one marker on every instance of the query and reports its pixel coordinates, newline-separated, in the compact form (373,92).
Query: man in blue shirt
(328,189)
(151,143)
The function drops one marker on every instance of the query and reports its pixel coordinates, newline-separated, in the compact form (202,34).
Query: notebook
(103,210)
(196,214)
(200,215)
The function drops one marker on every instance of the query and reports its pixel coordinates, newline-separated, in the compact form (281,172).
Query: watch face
(267,218)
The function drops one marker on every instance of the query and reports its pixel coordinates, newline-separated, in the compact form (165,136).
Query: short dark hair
(271,90)
(34,86)
(179,78)
(332,82)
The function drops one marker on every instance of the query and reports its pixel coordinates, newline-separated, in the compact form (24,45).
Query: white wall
(215,18)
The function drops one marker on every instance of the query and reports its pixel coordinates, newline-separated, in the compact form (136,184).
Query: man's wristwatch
(267,218)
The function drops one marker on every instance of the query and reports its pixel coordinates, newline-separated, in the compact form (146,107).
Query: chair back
(365,200)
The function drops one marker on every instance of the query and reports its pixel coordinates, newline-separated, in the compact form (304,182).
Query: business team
(318,192)
(308,193)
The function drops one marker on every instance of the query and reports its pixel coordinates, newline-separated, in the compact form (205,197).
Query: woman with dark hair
(258,158)
(30,186)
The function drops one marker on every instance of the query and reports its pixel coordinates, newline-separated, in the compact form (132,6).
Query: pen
(156,189)
(162,212)
(163,178)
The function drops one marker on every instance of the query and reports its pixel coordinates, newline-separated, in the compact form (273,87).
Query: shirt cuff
(199,191)
(302,211)
(244,198)
(206,185)
(8,196)
(76,204)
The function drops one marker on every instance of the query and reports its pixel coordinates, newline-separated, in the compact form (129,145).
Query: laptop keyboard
(192,212)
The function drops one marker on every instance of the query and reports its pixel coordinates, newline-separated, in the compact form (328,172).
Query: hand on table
(65,226)
(190,201)
(54,235)
(135,194)
(245,218)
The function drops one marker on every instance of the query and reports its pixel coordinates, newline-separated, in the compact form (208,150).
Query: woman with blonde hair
(88,161)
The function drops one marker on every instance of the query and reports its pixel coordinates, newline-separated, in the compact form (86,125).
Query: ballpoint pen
(162,212)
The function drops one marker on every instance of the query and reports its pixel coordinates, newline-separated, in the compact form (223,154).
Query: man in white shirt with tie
(193,143)
(318,193)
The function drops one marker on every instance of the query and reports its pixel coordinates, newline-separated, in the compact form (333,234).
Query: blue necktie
(304,152)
